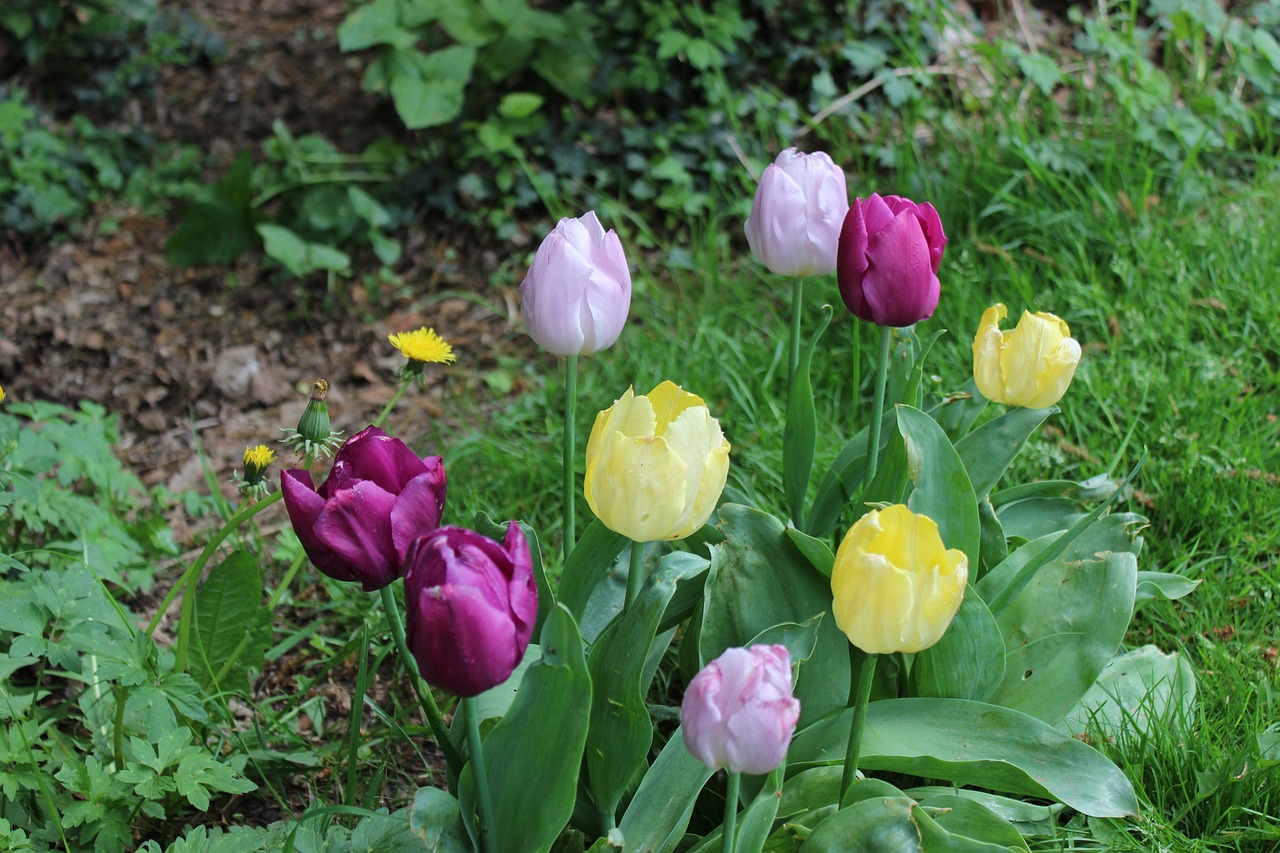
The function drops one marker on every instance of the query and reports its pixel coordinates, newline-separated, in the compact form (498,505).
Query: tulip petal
(900,287)
(463,643)
(694,436)
(851,260)
(522,591)
(417,510)
(304,506)
(987,343)
(355,525)
(636,486)
(553,294)
(371,454)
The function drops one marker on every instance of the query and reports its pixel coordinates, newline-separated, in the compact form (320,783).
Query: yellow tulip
(656,464)
(1030,366)
(896,586)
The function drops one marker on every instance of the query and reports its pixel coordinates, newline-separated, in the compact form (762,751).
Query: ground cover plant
(1146,223)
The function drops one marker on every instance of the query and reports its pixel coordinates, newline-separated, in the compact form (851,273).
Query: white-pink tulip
(577,293)
(800,205)
(738,711)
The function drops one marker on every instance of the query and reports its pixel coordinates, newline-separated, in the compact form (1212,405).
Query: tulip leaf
(688,591)
(621,732)
(232,628)
(435,819)
(587,564)
(533,755)
(1062,629)
(957,412)
(989,450)
(904,826)
(1153,585)
(993,547)
(486,526)
(968,662)
(659,812)
(1028,818)
(942,488)
(817,551)
(756,822)
(973,743)
(1137,692)
(801,431)
(756,556)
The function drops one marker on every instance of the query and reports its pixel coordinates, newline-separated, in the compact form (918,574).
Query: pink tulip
(471,605)
(890,251)
(795,220)
(377,499)
(738,711)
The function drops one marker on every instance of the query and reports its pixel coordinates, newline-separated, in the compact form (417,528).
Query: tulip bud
(1030,366)
(577,293)
(896,586)
(795,221)
(738,711)
(378,498)
(656,464)
(471,606)
(890,251)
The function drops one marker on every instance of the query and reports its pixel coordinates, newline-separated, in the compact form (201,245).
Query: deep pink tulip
(738,711)
(377,499)
(471,605)
(887,264)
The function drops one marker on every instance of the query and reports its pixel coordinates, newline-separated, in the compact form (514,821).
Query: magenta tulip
(379,497)
(738,711)
(471,607)
(795,219)
(887,268)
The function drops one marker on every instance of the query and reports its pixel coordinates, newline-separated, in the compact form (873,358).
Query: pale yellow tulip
(1030,366)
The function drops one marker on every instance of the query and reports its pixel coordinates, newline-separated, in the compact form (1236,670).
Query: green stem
(859,695)
(481,775)
(386,410)
(117,736)
(570,413)
(425,698)
(192,575)
(635,573)
(730,812)
(797,294)
(877,406)
(357,714)
(279,591)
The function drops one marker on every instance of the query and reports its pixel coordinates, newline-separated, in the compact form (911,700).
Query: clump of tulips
(946,633)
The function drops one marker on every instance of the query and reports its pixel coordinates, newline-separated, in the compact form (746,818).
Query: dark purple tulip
(888,258)
(471,606)
(379,497)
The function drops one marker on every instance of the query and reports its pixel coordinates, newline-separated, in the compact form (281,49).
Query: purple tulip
(795,219)
(738,711)
(577,293)
(890,251)
(377,499)
(471,607)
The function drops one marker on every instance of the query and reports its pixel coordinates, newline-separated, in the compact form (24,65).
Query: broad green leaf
(519,105)
(993,547)
(1137,692)
(899,824)
(657,815)
(219,224)
(532,756)
(228,638)
(597,549)
(428,89)
(941,486)
(689,591)
(435,819)
(989,450)
(957,412)
(621,732)
(1028,818)
(298,256)
(801,429)
(968,662)
(373,24)
(972,743)
(1153,585)
(759,579)
(817,551)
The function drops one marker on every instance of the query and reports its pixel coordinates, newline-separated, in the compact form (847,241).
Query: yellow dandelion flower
(256,459)
(423,346)
(1,394)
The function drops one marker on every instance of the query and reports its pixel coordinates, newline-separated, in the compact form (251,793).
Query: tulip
(1030,366)
(471,607)
(738,711)
(656,464)
(577,293)
(890,251)
(896,586)
(379,497)
(795,220)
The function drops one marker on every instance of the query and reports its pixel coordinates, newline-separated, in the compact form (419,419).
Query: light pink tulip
(800,204)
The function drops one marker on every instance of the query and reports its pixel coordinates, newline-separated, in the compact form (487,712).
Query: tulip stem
(797,294)
(635,573)
(877,406)
(570,415)
(391,404)
(484,804)
(859,696)
(425,698)
(730,812)
(192,574)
